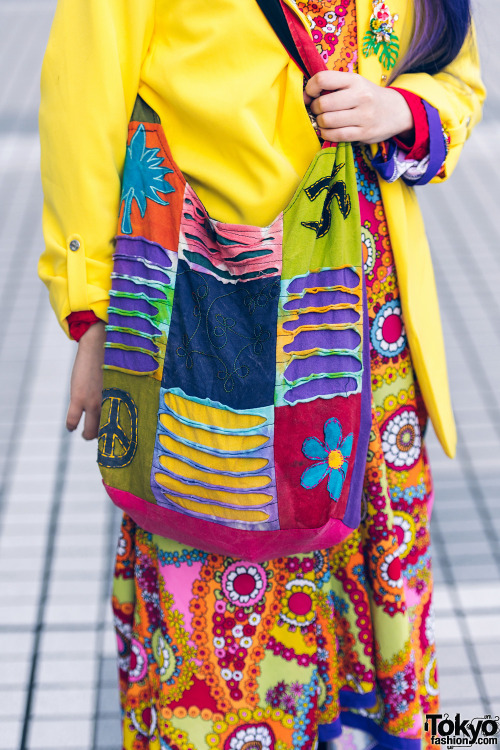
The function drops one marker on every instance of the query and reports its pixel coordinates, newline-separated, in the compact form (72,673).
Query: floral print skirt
(221,653)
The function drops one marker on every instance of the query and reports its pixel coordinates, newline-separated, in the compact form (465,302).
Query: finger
(91,424)
(307,99)
(342,135)
(335,102)
(335,120)
(328,80)
(75,411)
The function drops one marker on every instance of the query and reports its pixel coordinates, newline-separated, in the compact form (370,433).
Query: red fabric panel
(421,144)
(80,322)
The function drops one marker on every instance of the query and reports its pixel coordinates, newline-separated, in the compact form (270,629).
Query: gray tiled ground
(58,676)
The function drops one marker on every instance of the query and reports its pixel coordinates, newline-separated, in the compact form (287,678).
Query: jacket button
(74,245)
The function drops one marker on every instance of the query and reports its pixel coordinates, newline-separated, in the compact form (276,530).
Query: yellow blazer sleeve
(457,92)
(90,78)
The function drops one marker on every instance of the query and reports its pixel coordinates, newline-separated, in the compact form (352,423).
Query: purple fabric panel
(129,339)
(320,299)
(333,277)
(437,147)
(316,365)
(136,361)
(139,246)
(324,339)
(330,317)
(138,324)
(129,267)
(134,305)
(352,517)
(122,285)
(320,387)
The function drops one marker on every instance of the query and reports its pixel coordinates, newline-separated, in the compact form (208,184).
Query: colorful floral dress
(221,653)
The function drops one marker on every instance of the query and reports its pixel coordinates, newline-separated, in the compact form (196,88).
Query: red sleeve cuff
(80,322)
(421,144)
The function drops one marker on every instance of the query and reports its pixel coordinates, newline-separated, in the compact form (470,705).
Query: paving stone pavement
(57,529)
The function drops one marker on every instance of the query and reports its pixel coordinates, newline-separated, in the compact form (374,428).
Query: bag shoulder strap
(274,13)
(293,36)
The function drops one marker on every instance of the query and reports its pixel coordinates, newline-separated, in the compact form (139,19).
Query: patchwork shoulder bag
(236,403)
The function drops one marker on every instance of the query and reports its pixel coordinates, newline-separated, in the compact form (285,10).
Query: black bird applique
(335,189)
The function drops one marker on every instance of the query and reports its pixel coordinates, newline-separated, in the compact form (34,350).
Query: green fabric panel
(334,240)
(145,391)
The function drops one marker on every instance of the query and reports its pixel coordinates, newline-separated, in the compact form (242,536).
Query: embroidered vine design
(219,328)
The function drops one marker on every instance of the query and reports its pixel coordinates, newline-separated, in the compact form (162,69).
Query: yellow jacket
(230,102)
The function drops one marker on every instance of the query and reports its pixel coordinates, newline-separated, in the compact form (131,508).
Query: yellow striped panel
(213,440)
(220,496)
(211,415)
(217,463)
(223,513)
(188,472)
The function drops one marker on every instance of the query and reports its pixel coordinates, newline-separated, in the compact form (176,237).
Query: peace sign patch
(117,440)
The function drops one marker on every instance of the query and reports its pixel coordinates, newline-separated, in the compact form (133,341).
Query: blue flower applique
(331,459)
(143,178)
